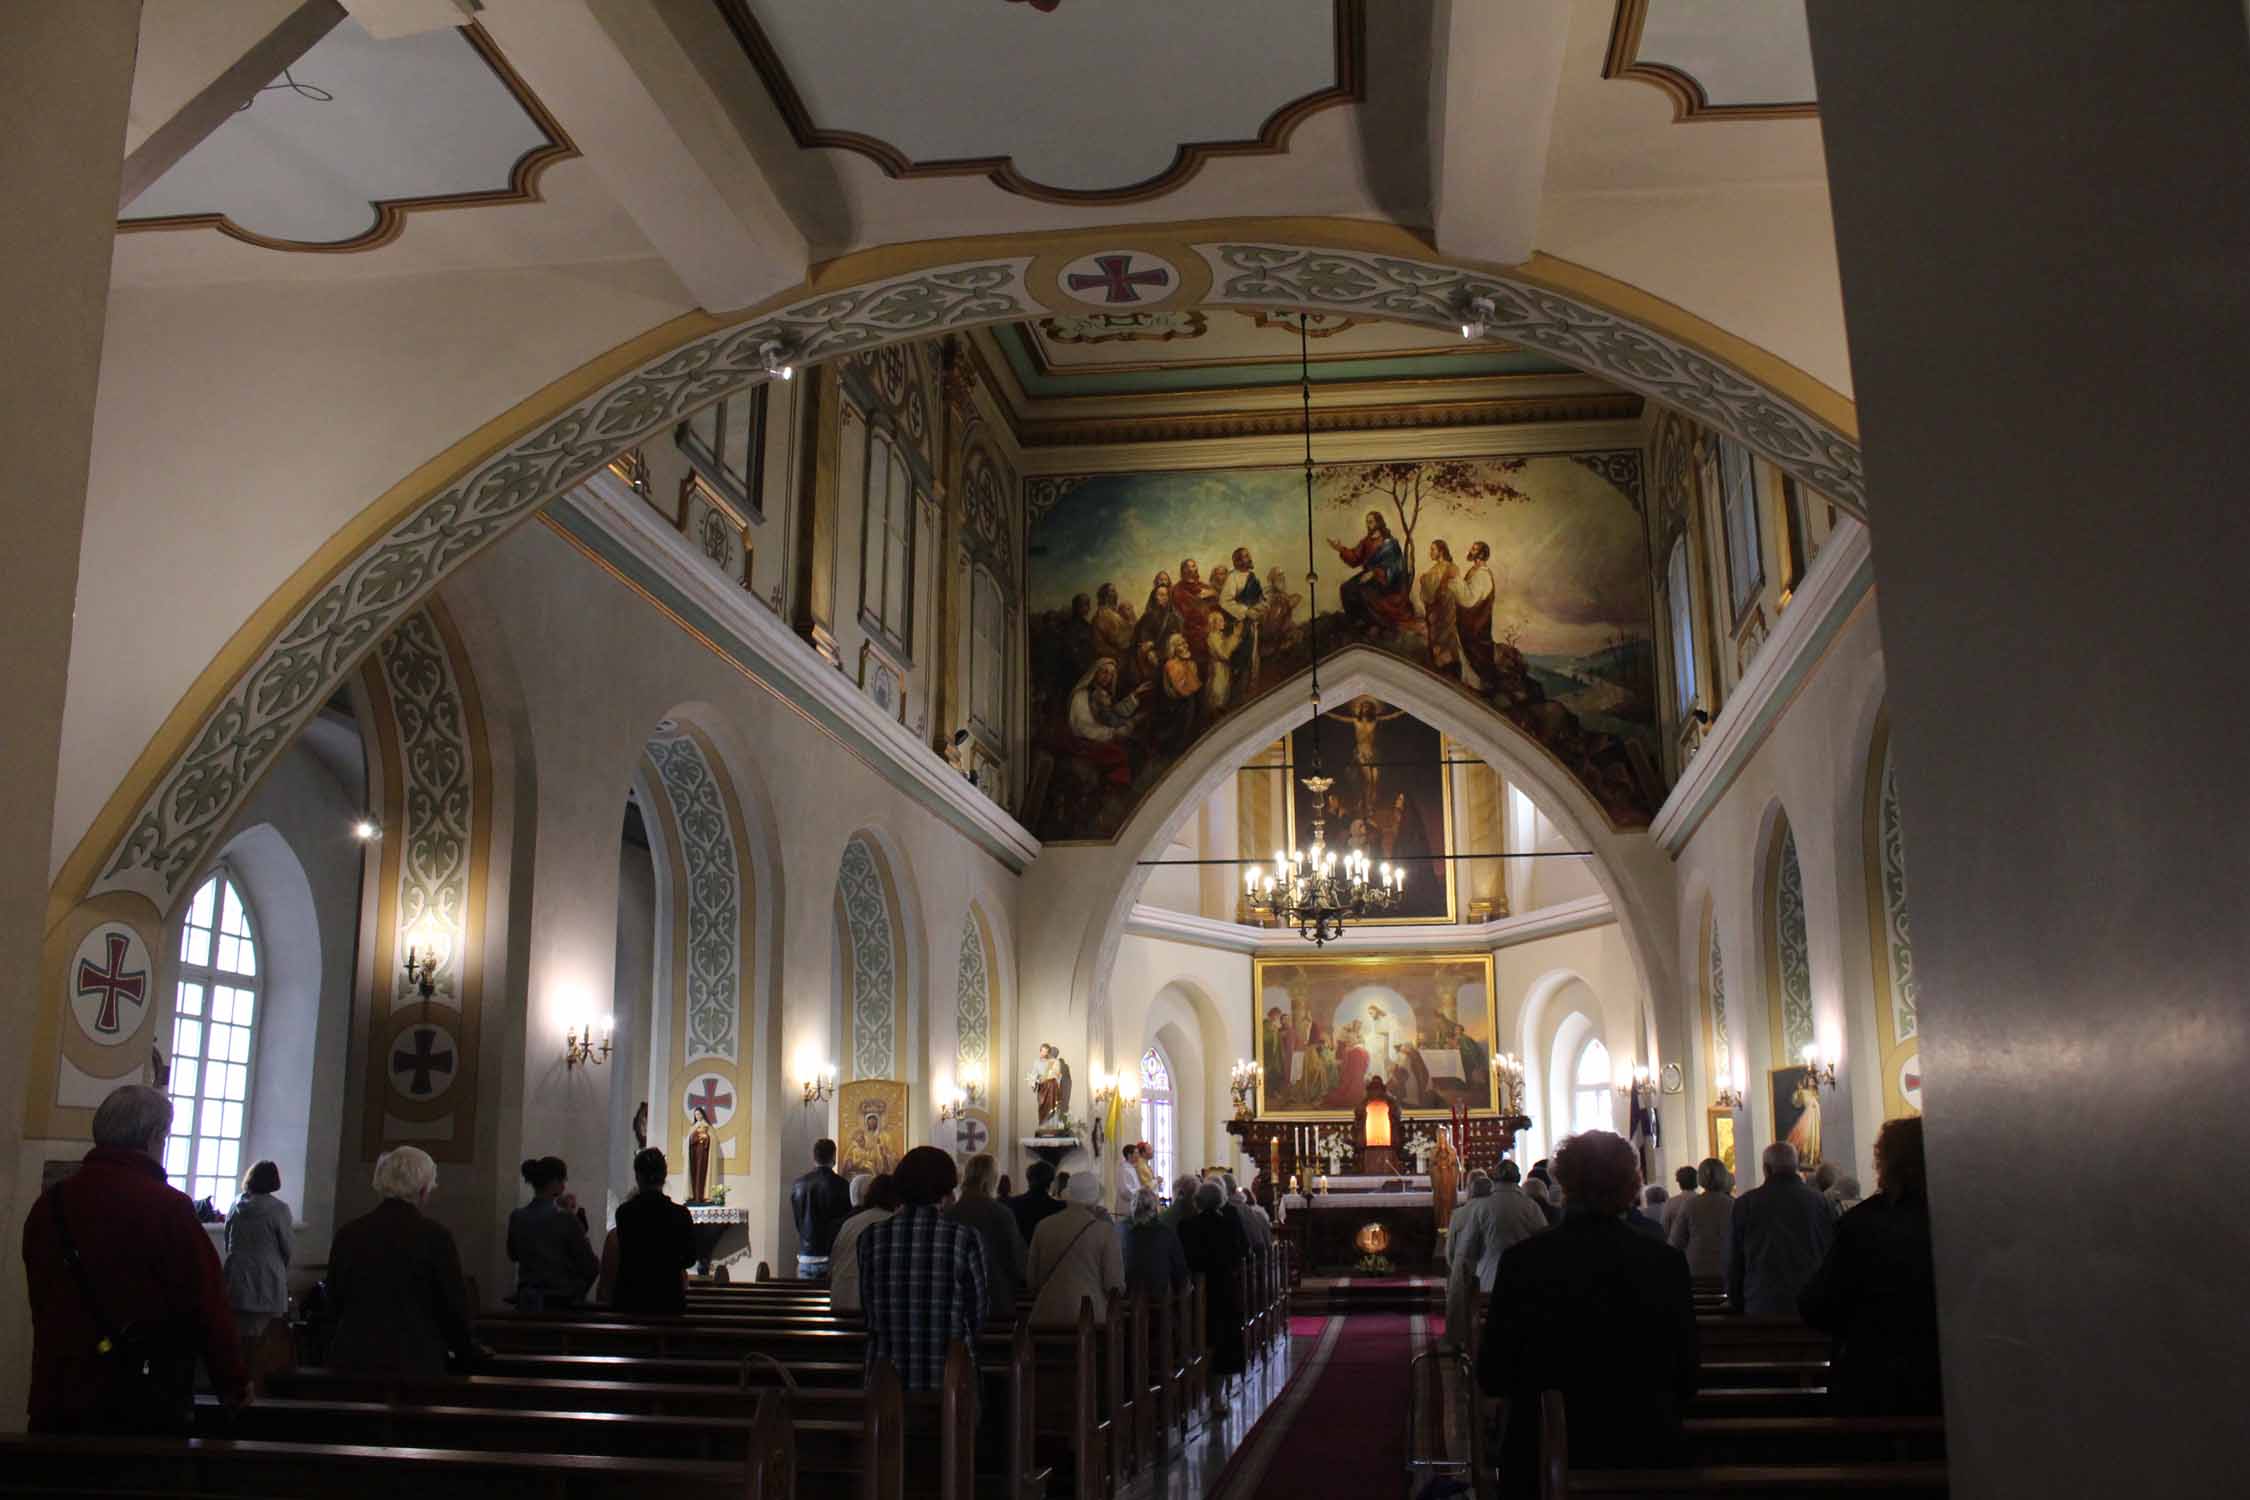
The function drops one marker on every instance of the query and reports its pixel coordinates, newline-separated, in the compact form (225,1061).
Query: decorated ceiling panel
(1718,59)
(1073,101)
(356,134)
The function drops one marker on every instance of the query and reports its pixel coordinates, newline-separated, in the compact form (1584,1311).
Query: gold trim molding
(1690,101)
(289,655)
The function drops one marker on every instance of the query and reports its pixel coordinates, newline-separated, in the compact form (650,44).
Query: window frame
(897,634)
(1579,1088)
(209,976)
(1679,590)
(1160,1117)
(707,457)
(993,729)
(1738,514)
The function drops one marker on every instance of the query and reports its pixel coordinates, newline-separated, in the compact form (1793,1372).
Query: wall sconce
(1129,1088)
(1477,314)
(777,357)
(970,1086)
(1820,1067)
(1630,1085)
(579,1045)
(1729,1096)
(1240,1082)
(427,947)
(1507,1071)
(820,1084)
(956,1100)
(367,830)
(1104,1088)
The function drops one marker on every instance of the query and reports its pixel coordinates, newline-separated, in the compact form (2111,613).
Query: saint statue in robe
(1377,1127)
(1445,1178)
(699,1158)
(1050,1084)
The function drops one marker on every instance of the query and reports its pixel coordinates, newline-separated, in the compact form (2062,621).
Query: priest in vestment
(1377,1128)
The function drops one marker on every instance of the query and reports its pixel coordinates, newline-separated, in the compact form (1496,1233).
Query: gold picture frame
(1425,1000)
(860,1148)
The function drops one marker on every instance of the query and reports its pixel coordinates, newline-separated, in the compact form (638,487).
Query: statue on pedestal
(1050,1086)
(699,1157)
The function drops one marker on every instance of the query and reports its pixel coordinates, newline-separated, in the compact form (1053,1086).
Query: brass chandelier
(1316,890)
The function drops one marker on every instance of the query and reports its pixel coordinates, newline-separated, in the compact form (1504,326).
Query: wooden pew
(54,1466)
(1822,1473)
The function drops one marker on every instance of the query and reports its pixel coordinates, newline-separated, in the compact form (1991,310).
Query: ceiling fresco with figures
(1103,102)
(1162,602)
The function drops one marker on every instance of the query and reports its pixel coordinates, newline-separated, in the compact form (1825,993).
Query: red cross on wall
(113,983)
(710,1100)
(1118,280)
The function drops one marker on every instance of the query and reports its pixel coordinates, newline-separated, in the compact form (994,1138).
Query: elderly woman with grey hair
(1155,1262)
(1075,1257)
(394,1280)
(1216,1248)
(1705,1228)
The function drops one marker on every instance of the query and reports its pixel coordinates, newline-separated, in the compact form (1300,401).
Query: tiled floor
(1190,1471)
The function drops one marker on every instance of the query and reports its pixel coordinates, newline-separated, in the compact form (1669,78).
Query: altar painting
(1391,799)
(1163,602)
(871,1126)
(1424,1023)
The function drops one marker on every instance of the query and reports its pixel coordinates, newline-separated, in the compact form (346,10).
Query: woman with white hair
(394,1280)
(1075,1255)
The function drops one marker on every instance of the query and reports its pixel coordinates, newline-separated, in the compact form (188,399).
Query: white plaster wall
(1537,986)
(239,427)
(1202,996)
(1812,765)
(300,866)
(632,995)
(597,667)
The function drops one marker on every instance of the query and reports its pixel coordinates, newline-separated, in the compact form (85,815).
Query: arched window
(1589,1089)
(1160,1117)
(213,1042)
(1679,599)
(886,589)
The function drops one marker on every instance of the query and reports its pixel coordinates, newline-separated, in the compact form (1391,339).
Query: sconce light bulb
(365,829)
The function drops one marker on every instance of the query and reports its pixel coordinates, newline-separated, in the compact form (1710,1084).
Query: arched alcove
(1896,996)
(873,965)
(1788,1111)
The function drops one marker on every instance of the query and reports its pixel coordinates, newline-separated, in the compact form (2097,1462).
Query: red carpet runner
(1340,1427)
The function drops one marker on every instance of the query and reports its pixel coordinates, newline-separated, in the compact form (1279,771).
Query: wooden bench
(57,1466)
(1803,1458)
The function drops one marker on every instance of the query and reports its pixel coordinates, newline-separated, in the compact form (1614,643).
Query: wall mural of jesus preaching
(1163,602)
(1423,1023)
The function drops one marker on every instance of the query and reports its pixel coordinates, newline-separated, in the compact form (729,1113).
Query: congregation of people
(1591,1280)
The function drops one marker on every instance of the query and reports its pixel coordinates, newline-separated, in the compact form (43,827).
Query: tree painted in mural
(1523,581)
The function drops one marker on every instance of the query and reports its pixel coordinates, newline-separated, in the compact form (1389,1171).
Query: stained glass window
(1589,1094)
(1159,1118)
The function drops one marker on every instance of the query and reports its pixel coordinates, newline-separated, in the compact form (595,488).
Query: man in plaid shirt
(921,1275)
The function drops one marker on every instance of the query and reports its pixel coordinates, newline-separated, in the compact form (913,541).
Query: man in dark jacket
(819,1201)
(1035,1203)
(148,1265)
(655,1243)
(1782,1232)
(1598,1312)
(1877,1291)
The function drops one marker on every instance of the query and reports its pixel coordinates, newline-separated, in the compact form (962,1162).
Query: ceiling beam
(198,67)
(661,141)
(1498,69)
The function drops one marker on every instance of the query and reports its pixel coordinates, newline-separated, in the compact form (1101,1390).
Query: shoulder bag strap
(105,1330)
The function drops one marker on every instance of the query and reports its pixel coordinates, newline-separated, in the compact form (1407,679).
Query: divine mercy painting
(1423,1023)
(1163,602)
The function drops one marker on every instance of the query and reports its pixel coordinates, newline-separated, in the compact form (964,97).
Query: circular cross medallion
(424,1060)
(713,1093)
(1119,278)
(110,984)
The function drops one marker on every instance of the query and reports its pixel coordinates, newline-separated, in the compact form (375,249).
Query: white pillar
(2042,223)
(66,73)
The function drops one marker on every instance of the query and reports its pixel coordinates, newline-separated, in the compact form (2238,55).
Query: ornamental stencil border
(973,1003)
(263,709)
(871,943)
(714,890)
(168,835)
(1792,952)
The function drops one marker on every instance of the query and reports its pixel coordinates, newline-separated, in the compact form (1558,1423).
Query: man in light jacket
(1781,1234)
(1498,1214)
(1075,1254)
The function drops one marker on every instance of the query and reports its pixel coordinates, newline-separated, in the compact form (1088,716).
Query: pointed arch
(976,1011)
(871,961)
(1896,996)
(707,969)
(1788,963)
(1711,970)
